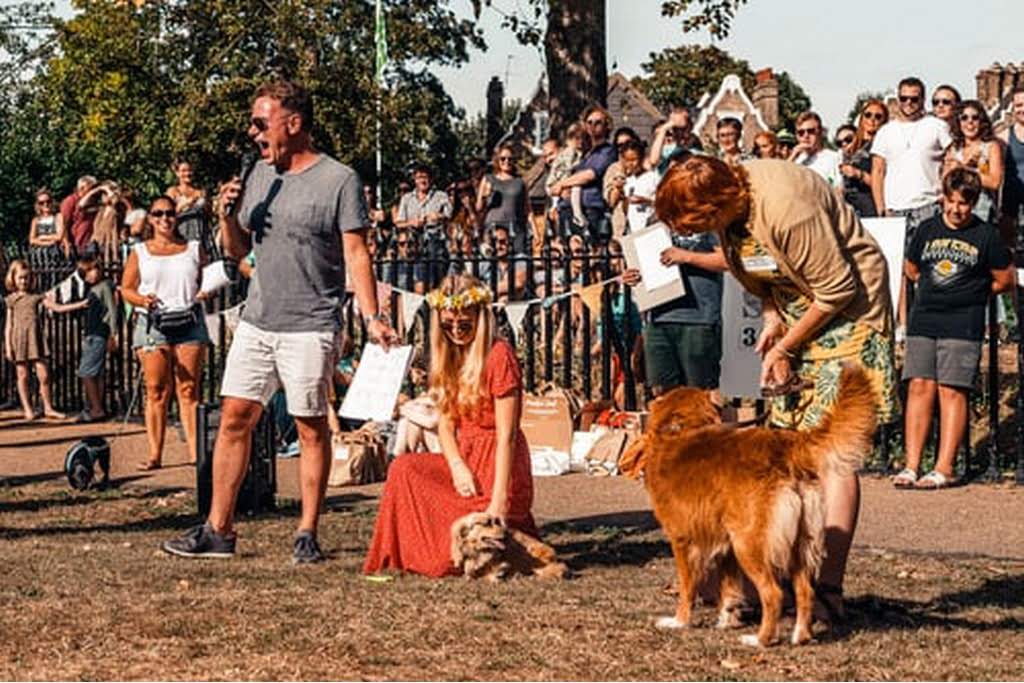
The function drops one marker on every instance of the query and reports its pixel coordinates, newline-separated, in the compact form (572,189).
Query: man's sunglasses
(594,122)
(808,131)
(845,140)
(908,99)
(162,214)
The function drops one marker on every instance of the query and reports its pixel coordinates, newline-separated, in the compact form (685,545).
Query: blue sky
(833,49)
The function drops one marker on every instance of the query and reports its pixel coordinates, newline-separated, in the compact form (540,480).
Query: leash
(794,386)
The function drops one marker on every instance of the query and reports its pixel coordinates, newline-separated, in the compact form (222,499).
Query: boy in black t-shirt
(958,261)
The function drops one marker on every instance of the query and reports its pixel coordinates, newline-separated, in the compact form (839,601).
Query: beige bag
(358,457)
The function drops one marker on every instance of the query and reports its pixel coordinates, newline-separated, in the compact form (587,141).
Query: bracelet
(378,317)
(785,352)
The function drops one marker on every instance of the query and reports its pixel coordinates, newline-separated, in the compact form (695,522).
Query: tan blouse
(817,242)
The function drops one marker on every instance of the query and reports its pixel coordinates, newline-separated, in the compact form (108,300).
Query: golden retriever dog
(483,547)
(747,499)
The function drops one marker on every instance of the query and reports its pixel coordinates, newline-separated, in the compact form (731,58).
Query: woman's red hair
(702,194)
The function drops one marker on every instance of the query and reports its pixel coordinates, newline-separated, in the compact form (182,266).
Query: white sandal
(933,480)
(907,478)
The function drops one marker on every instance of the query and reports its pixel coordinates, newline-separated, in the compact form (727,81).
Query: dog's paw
(669,623)
(801,636)
(750,640)
(729,619)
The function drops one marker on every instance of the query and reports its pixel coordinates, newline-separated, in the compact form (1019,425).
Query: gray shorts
(94,353)
(302,363)
(953,362)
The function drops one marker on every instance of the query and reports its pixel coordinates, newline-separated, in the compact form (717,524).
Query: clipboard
(659,284)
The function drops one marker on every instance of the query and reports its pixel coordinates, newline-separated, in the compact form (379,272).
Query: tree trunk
(574,48)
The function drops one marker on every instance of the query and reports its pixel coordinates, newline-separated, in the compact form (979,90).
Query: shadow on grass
(25,479)
(79,498)
(875,613)
(611,540)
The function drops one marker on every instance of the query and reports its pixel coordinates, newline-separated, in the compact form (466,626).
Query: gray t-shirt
(702,303)
(506,203)
(296,221)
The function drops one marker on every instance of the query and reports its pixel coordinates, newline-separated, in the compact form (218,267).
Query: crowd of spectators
(562,228)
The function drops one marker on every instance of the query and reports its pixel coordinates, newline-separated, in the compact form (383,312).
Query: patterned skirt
(821,363)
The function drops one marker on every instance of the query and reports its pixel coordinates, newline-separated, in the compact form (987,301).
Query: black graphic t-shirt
(956,278)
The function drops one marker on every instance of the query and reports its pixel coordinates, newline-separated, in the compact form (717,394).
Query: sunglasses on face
(845,140)
(910,99)
(504,158)
(43,202)
(169,213)
(808,131)
(873,115)
(460,326)
(260,124)
(968,118)
(594,122)
(942,102)
(402,243)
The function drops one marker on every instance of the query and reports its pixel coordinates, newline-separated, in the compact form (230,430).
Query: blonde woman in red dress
(484,465)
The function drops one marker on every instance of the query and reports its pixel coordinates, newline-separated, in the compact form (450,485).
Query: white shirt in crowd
(643,185)
(825,162)
(913,161)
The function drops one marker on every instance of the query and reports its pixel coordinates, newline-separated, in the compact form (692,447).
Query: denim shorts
(94,354)
(147,337)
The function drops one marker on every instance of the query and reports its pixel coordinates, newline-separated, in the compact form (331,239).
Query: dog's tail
(844,436)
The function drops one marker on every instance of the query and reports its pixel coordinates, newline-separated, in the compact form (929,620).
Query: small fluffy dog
(747,499)
(483,547)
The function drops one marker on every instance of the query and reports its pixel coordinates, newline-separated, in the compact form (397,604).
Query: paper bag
(547,422)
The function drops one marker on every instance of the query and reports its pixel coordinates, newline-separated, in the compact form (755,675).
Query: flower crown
(473,296)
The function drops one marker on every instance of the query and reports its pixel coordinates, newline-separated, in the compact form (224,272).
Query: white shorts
(302,363)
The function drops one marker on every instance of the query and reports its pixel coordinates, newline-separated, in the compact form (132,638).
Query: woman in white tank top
(163,275)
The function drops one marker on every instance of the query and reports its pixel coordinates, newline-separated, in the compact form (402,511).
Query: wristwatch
(379,317)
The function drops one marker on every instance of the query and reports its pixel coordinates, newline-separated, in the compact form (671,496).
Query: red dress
(420,504)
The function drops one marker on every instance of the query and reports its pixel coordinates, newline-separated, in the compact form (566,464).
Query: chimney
(766,97)
(495,97)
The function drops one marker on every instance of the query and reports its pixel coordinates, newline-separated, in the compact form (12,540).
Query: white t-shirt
(913,161)
(643,185)
(825,163)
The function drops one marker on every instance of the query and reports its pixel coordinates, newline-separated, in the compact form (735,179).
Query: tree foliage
(681,75)
(130,87)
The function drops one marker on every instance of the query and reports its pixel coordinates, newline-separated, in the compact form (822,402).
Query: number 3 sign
(741,326)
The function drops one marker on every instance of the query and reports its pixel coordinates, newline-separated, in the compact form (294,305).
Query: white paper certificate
(376,384)
(648,250)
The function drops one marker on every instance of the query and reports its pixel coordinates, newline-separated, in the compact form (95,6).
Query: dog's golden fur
(747,499)
(484,548)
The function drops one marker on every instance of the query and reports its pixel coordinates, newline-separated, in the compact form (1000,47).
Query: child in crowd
(24,344)
(98,336)
(576,143)
(958,261)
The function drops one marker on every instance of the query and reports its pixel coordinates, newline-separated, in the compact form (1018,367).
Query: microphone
(248,164)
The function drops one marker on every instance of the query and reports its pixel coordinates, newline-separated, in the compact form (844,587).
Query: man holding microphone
(303,214)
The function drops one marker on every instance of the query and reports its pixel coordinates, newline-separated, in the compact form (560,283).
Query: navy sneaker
(201,541)
(307,550)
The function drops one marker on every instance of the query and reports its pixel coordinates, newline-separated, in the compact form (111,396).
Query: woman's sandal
(933,480)
(905,479)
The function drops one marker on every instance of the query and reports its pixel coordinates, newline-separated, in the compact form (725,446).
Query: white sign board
(741,326)
(890,234)
(375,386)
(659,284)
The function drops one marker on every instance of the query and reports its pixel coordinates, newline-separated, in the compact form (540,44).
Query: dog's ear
(460,529)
